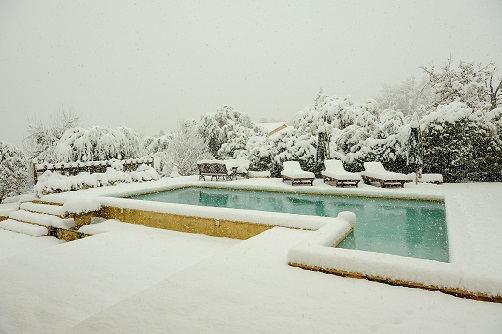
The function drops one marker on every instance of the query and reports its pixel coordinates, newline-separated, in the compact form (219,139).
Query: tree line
(460,123)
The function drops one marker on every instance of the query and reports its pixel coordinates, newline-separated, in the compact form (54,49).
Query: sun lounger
(335,173)
(375,172)
(294,173)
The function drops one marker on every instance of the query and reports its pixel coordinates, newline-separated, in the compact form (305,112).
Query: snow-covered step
(55,210)
(42,219)
(7,208)
(24,228)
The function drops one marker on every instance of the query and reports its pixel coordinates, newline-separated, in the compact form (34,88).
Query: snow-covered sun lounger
(375,172)
(335,172)
(294,173)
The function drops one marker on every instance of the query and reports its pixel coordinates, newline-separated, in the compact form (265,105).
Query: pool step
(42,219)
(24,228)
(54,210)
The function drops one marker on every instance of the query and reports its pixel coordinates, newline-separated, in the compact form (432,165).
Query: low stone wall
(208,226)
(450,291)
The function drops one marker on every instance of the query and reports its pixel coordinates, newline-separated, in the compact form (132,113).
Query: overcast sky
(148,64)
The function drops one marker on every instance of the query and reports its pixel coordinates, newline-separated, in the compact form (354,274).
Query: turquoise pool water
(402,227)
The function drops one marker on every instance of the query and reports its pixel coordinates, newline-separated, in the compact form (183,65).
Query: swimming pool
(410,228)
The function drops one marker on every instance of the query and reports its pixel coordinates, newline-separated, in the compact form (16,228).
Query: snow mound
(81,204)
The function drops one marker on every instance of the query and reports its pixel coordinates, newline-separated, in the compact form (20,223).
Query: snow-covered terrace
(138,279)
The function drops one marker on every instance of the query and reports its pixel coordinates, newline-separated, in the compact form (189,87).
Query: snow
(335,170)
(376,170)
(81,204)
(132,278)
(258,174)
(7,208)
(43,208)
(292,169)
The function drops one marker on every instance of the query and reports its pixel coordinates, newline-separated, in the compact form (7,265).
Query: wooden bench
(341,183)
(214,170)
(384,182)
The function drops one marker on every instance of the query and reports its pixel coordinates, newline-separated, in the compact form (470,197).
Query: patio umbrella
(321,148)
(414,160)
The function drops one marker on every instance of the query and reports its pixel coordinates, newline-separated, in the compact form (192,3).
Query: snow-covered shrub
(50,182)
(260,151)
(144,173)
(97,143)
(185,148)
(157,148)
(460,144)
(13,170)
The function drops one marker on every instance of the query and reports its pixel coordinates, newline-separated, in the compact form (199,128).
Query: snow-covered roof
(273,128)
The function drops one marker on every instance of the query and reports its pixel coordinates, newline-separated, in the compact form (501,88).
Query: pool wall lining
(293,190)
(183,211)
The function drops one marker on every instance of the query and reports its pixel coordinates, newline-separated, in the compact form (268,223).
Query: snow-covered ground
(134,279)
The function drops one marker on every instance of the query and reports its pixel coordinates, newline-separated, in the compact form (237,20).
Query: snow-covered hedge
(463,144)
(53,182)
(13,170)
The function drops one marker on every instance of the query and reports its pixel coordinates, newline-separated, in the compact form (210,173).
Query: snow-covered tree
(474,85)
(44,134)
(408,97)
(225,125)
(13,170)
(150,145)
(237,137)
(185,148)
(97,143)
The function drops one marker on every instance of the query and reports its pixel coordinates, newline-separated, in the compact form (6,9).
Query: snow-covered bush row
(13,170)
(54,182)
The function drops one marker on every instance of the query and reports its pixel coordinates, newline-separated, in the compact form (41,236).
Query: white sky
(148,64)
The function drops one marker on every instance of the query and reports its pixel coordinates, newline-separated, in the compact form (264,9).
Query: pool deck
(249,286)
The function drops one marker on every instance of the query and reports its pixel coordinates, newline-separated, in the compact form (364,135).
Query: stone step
(24,228)
(42,219)
(54,210)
